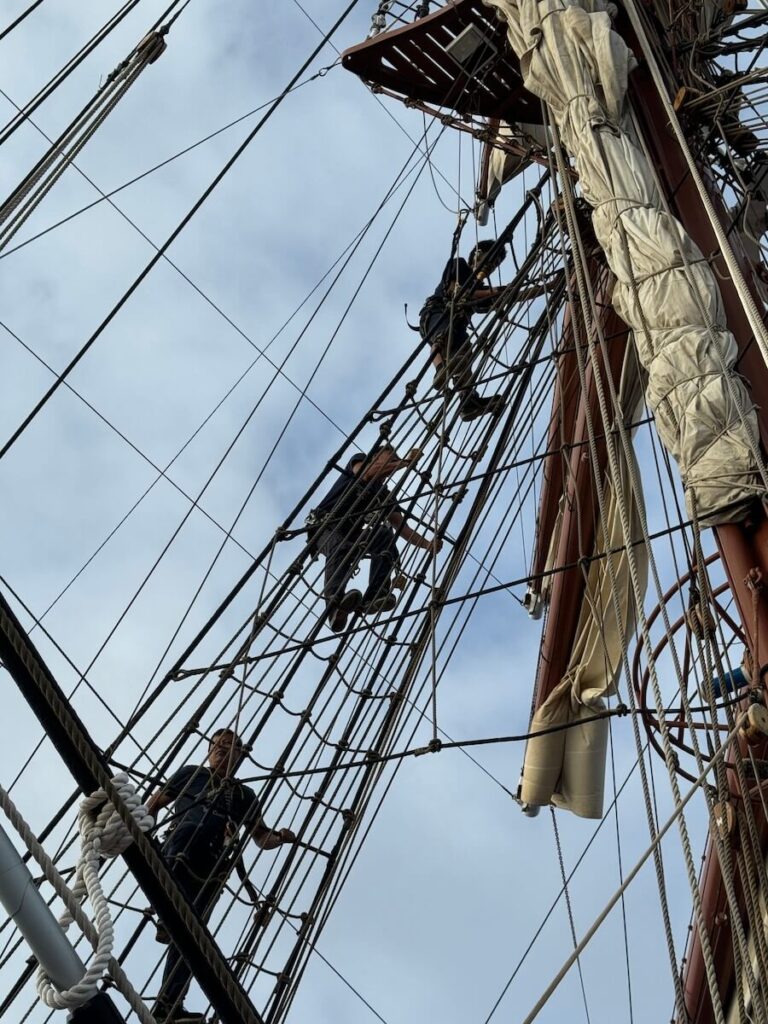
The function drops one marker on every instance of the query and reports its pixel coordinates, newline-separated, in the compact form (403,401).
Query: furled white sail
(572,59)
(665,291)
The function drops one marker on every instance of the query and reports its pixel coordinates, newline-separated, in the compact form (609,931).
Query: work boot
(474,406)
(381,603)
(178,1016)
(348,603)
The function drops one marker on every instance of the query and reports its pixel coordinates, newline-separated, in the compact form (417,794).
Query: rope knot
(103,834)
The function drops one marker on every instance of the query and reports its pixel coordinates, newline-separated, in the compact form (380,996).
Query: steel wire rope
(388,112)
(183,520)
(173,235)
(106,196)
(592,321)
(569,911)
(134,447)
(21,17)
(37,183)
(63,73)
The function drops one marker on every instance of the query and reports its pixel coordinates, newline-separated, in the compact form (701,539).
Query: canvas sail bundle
(572,59)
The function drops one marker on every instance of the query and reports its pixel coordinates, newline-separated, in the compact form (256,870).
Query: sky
(453,882)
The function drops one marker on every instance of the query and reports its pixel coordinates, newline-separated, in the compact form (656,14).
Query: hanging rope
(103,834)
(103,960)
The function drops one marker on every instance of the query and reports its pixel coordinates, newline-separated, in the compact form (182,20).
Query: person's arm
(374,472)
(413,536)
(162,798)
(270,838)
(172,788)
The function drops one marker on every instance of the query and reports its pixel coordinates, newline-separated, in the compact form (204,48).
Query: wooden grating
(412,62)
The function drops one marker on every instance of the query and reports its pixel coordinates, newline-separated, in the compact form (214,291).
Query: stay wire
(22,17)
(174,234)
(106,196)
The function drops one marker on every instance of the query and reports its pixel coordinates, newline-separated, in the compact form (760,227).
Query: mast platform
(455,58)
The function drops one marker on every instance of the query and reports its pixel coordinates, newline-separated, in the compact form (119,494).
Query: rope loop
(102,834)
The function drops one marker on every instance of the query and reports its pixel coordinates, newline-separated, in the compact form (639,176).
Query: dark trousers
(452,345)
(192,878)
(343,550)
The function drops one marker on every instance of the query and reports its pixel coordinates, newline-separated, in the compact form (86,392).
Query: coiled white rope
(102,834)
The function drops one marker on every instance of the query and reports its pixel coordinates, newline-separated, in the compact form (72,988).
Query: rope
(102,835)
(592,930)
(101,939)
(174,234)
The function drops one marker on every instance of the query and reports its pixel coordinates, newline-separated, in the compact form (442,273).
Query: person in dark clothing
(444,323)
(211,807)
(340,520)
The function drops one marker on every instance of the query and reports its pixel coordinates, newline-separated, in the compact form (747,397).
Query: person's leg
(382,551)
(176,974)
(339,564)
(341,555)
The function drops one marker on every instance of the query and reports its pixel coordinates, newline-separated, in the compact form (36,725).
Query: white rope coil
(102,834)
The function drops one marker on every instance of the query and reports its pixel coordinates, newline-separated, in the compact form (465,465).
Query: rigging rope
(103,836)
(174,234)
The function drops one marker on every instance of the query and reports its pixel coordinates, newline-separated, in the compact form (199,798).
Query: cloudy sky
(453,882)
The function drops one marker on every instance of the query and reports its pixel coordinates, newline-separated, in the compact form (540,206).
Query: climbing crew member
(444,323)
(343,536)
(210,809)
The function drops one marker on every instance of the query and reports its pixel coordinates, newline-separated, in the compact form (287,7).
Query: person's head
(481,262)
(224,750)
(382,459)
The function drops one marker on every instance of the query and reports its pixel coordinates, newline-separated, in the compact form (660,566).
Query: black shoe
(161,935)
(178,1016)
(350,602)
(474,406)
(383,603)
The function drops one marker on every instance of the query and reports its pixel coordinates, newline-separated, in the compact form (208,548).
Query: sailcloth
(567,768)
(572,59)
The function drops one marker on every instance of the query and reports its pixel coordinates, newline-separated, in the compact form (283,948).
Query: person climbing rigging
(445,318)
(210,809)
(355,520)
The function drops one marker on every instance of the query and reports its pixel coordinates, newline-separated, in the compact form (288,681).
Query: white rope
(62,890)
(102,834)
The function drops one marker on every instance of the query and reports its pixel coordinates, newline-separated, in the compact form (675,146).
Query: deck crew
(445,319)
(211,808)
(359,518)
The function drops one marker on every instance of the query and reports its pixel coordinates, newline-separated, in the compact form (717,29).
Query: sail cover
(572,59)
